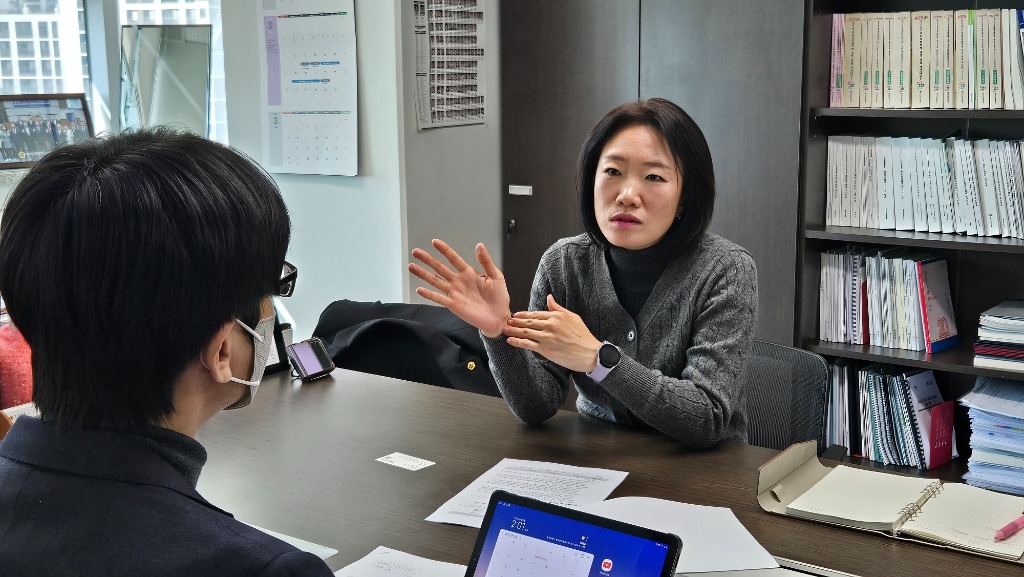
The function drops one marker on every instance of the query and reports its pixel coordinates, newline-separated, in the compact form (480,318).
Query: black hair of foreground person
(692,155)
(121,257)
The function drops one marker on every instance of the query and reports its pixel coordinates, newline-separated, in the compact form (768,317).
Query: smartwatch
(608,357)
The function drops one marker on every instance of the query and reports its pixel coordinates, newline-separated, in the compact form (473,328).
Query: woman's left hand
(557,334)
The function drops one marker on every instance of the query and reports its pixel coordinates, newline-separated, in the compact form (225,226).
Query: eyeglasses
(286,286)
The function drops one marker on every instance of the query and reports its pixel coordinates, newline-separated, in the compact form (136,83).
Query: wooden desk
(301,460)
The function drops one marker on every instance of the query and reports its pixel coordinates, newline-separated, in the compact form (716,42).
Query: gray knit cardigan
(684,357)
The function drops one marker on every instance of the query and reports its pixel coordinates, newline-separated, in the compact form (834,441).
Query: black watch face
(609,355)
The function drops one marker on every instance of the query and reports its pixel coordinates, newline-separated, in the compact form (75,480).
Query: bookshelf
(984,271)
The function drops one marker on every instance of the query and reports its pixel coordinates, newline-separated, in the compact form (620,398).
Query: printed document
(713,538)
(384,562)
(549,482)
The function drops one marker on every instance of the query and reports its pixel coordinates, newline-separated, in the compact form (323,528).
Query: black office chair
(785,396)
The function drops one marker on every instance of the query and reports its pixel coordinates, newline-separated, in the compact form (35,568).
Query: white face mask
(262,340)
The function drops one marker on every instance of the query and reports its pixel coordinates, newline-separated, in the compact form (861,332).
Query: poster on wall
(308,86)
(450,38)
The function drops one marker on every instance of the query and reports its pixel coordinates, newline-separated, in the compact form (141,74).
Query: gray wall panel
(735,66)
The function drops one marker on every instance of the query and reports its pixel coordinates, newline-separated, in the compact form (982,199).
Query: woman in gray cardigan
(648,314)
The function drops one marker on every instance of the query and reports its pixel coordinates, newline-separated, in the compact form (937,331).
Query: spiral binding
(910,511)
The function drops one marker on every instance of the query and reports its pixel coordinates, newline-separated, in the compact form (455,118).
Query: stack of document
(1000,342)
(889,298)
(890,414)
(996,409)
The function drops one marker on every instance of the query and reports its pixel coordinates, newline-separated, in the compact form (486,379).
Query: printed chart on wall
(308,73)
(450,37)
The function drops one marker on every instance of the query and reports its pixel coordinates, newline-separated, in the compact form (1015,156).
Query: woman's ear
(216,355)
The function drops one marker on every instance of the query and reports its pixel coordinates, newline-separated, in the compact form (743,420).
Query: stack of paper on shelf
(887,298)
(972,187)
(996,409)
(890,414)
(1000,343)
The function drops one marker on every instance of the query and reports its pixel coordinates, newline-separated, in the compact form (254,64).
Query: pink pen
(1013,527)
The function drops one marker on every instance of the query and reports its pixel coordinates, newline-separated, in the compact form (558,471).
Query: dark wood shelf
(919,239)
(922,114)
(951,472)
(957,360)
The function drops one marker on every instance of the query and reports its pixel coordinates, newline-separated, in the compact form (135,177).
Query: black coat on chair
(421,343)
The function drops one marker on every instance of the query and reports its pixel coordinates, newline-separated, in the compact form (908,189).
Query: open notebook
(952,514)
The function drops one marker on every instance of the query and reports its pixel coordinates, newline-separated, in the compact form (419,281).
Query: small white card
(405,461)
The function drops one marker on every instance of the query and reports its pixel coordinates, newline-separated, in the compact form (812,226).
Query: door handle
(510,226)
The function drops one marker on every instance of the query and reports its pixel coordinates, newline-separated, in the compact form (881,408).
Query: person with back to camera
(139,269)
(648,314)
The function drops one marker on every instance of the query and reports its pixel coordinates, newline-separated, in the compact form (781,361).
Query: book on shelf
(926,185)
(889,298)
(920,59)
(889,414)
(835,86)
(937,319)
(951,515)
(940,59)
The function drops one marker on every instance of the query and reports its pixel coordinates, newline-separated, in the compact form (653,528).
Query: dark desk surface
(301,461)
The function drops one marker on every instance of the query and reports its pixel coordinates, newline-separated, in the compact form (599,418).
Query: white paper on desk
(713,538)
(384,562)
(318,550)
(564,485)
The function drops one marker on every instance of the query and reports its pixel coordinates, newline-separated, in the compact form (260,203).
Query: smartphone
(310,359)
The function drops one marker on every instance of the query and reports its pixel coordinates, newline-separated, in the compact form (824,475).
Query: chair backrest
(785,390)
(5,424)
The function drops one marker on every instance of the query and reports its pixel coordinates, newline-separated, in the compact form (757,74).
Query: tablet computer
(525,537)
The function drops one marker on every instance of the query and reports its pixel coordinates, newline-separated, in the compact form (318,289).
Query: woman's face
(637,188)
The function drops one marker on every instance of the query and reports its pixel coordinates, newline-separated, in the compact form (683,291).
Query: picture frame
(31,125)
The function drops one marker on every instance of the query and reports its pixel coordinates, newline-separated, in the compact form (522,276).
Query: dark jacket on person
(85,502)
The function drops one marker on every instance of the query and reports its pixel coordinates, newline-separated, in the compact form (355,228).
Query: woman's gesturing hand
(558,334)
(479,299)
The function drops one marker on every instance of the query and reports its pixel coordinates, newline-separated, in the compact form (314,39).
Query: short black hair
(689,149)
(121,257)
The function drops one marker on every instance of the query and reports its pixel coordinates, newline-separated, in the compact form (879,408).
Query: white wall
(351,236)
(347,238)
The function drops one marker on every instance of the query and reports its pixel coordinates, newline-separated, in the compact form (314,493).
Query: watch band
(601,370)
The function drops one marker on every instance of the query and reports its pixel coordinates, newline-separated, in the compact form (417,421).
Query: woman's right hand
(479,299)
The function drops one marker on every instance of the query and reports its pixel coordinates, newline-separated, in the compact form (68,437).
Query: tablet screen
(520,539)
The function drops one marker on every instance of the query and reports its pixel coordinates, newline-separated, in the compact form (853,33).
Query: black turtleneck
(184,453)
(635,272)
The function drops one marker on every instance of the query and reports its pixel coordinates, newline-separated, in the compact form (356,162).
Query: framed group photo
(32,125)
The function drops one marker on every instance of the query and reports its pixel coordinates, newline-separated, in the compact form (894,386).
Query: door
(563,65)
(735,67)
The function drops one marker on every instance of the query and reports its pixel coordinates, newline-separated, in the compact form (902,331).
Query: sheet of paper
(713,538)
(300,544)
(384,562)
(405,461)
(550,482)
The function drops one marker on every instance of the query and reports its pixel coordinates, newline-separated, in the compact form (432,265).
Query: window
(48,86)
(27,67)
(5,49)
(47,67)
(5,30)
(44,49)
(29,87)
(8,85)
(44,30)
(169,16)
(6,68)
(26,49)
(23,30)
